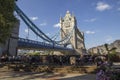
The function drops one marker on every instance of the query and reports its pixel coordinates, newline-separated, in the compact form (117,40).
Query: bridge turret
(68,23)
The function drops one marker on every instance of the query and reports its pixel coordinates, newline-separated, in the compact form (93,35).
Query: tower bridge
(69,33)
(68,23)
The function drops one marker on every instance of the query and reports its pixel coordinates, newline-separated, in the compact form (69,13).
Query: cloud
(91,20)
(118,9)
(43,24)
(109,39)
(33,18)
(89,32)
(57,25)
(26,30)
(101,6)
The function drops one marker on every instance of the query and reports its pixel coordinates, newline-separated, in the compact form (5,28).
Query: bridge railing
(36,44)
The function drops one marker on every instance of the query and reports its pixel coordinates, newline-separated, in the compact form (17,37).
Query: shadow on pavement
(81,77)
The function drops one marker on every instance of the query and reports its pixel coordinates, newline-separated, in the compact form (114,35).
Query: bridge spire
(68,23)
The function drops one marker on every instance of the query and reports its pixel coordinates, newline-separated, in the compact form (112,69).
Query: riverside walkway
(6,74)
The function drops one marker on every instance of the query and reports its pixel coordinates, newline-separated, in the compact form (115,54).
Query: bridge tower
(11,45)
(69,23)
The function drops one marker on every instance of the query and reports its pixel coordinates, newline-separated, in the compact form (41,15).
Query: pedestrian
(100,75)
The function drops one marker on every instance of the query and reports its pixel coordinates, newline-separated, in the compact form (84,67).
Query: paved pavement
(45,76)
(10,75)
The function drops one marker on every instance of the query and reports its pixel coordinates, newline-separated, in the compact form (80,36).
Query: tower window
(70,19)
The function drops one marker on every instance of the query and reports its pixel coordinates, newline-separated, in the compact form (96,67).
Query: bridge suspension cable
(66,39)
(31,25)
(55,36)
(39,33)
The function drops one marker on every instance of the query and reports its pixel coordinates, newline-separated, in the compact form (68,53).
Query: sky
(98,19)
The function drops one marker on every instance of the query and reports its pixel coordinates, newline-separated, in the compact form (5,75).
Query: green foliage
(7,19)
(34,53)
(115,76)
(111,52)
(111,56)
(106,46)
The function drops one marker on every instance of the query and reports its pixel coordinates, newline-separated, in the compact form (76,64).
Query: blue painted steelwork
(51,44)
(26,43)
(38,32)
(31,25)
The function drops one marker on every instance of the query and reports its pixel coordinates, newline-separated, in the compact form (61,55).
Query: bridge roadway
(31,44)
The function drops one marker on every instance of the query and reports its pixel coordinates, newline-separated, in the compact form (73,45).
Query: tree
(7,19)
(111,52)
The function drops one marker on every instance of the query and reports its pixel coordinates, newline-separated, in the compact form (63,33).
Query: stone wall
(13,41)
(102,50)
(11,44)
(68,25)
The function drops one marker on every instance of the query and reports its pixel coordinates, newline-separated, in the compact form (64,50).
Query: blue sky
(98,19)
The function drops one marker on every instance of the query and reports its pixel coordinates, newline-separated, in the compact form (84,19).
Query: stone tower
(69,23)
(12,43)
